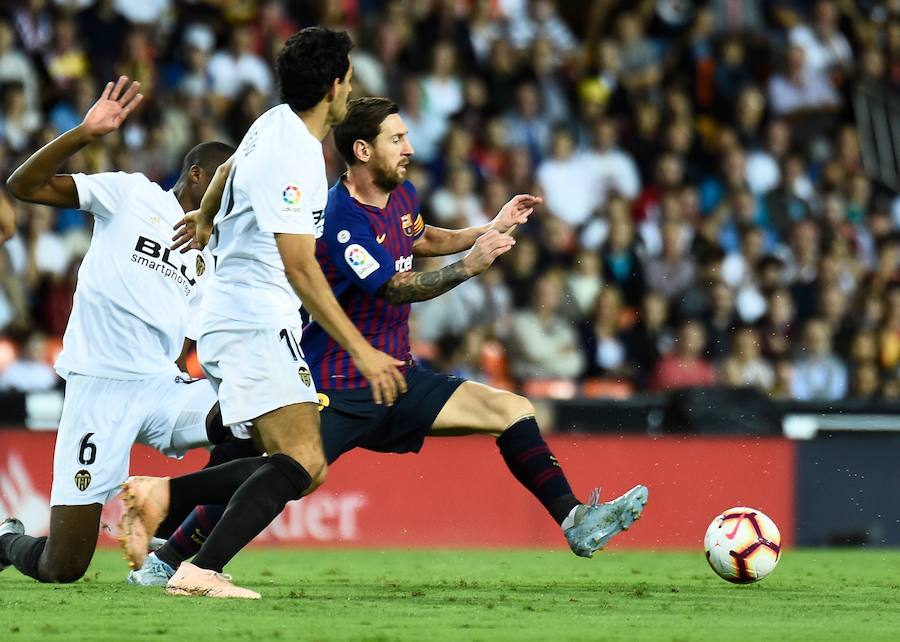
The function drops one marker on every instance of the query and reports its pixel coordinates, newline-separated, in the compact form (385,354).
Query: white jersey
(277,185)
(131,307)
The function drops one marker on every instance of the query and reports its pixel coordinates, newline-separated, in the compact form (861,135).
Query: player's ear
(362,151)
(332,92)
(195,174)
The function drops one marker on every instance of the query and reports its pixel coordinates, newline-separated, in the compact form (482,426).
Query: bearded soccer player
(372,231)
(127,329)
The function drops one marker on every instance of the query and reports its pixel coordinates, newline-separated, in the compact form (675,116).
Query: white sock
(569,521)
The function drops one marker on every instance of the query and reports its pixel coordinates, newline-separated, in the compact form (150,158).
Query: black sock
(531,462)
(23,552)
(253,507)
(213,485)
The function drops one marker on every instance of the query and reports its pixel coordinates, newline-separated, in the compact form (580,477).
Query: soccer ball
(742,545)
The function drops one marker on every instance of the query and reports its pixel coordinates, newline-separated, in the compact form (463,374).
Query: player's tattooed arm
(409,287)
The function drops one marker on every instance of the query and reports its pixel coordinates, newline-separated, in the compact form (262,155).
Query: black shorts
(351,419)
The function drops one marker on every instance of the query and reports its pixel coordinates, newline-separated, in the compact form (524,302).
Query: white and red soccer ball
(742,545)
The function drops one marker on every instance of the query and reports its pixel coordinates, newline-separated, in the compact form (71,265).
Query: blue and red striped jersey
(361,248)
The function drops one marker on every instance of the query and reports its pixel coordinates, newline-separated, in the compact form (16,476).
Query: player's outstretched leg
(478,409)
(64,555)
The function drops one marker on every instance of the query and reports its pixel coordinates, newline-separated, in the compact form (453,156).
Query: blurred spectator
(801,88)
(720,321)
(745,366)
(621,264)
(649,339)
(527,125)
(817,373)
(583,283)
(545,344)
(612,170)
(29,372)
(824,47)
(604,344)
(34,24)
(16,67)
(685,366)
(570,190)
(674,270)
(230,69)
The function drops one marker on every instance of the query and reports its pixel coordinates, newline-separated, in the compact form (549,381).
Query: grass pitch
(432,596)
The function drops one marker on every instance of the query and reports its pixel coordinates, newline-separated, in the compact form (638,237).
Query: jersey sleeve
(283,189)
(103,194)
(354,250)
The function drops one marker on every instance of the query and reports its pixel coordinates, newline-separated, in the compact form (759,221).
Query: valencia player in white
(126,332)
(263,237)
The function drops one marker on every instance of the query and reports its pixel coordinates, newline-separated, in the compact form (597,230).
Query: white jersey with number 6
(277,185)
(132,303)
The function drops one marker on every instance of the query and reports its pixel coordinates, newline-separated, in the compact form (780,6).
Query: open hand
(515,212)
(192,232)
(113,107)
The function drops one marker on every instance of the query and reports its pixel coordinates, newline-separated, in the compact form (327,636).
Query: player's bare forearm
(438,241)
(37,180)
(209,204)
(181,361)
(409,287)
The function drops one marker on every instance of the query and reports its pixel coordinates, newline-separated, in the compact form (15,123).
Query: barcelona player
(372,231)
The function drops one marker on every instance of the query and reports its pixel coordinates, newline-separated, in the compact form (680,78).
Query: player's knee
(63,573)
(510,408)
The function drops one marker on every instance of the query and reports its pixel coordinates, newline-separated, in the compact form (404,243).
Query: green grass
(432,596)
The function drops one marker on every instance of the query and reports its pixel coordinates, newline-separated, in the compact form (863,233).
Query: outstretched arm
(437,241)
(193,231)
(409,287)
(37,180)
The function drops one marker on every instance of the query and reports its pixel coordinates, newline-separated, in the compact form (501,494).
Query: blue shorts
(351,419)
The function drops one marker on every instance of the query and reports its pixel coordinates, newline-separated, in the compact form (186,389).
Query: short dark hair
(206,156)
(363,122)
(308,64)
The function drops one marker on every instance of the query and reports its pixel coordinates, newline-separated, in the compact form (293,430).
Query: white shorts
(255,371)
(103,418)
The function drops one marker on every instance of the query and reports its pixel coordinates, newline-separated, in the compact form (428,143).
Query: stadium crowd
(707,219)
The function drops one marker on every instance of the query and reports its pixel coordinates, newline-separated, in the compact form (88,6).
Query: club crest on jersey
(82,480)
(290,195)
(305,377)
(360,261)
(201,265)
(407,221)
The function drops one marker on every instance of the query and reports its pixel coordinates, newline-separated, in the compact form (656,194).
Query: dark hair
(206,156)
(308,64)
(363,122)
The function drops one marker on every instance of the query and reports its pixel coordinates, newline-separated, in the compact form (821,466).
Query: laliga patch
(343,236)
(290,195)
(82,480)
(362,263)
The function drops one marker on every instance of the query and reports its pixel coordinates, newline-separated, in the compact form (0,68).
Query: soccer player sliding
(372,229)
